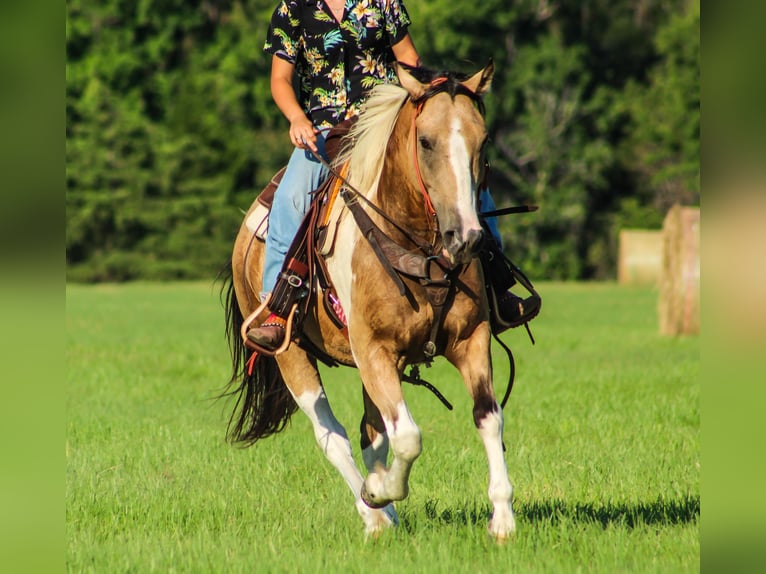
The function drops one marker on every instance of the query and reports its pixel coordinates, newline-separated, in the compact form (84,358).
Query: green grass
(602,436)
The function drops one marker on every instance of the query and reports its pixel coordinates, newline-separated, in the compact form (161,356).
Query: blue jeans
(486,203)
(304,174)
(291,202)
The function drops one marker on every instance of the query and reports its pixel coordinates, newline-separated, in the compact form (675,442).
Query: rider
(339,50)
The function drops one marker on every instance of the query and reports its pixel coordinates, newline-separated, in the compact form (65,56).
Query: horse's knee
(403,434)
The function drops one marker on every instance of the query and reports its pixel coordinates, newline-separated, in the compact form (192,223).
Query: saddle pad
(258,221)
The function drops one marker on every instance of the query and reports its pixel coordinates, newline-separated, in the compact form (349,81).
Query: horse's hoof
(376,531)
(501,533)
(369,499)
(377,521)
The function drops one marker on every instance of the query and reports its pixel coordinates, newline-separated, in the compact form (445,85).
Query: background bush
(171,130)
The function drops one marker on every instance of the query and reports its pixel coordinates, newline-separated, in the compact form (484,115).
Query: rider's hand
(303,133)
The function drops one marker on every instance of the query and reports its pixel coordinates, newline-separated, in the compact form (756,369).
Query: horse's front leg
(472,358)
(382,385)
(373,437)
(374,443)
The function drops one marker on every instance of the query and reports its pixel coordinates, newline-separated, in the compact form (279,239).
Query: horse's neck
(398,193)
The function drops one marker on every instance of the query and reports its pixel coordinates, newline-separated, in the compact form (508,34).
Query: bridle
(436,86)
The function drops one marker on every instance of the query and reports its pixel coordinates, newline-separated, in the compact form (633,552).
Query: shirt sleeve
(284,32)
(397,20)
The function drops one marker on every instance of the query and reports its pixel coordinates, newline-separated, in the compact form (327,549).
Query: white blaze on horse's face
(451,134)
(450,144)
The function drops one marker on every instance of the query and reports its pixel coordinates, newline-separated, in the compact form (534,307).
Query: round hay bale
(679,303)
(640,257)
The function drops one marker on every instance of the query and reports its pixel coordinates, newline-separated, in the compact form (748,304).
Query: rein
(352,199)
(436,86)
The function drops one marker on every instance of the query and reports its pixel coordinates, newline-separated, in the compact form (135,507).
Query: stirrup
(247,323)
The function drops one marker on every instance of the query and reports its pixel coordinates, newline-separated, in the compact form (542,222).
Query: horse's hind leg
(302,378)
(472,359)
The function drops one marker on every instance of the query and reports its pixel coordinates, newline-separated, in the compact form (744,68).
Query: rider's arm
(405,52)
(301,128)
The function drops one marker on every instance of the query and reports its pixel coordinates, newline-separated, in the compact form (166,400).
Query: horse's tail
(264,405)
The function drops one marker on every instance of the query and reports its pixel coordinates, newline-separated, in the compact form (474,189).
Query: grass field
(602,436)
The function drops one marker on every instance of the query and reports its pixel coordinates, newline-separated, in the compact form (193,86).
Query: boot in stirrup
(271,333)
(516,311)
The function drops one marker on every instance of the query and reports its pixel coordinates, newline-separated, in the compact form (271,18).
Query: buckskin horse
(415,166)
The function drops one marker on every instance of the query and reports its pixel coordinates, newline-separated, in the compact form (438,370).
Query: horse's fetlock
(500,492)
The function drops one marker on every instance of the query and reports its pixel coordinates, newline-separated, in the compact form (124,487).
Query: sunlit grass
(602,436)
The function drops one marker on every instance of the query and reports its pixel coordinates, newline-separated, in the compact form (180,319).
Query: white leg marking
(385,485)
(330,435)
(333,440)
(500,490)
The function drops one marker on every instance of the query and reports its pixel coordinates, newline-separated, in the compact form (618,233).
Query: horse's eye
(425,143)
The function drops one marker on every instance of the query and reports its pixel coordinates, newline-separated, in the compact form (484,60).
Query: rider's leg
(513,309)
(486,203)
(292,199)
(303,175)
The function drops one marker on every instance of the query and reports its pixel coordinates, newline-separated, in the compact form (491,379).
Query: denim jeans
(304,174)
(486,203)
(291,202)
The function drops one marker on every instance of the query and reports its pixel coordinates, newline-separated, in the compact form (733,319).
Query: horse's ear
(409,83)
(480,82)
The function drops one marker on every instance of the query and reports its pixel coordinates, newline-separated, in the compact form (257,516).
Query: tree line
(171,130)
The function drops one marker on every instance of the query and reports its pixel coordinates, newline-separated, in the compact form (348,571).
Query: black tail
(264,404)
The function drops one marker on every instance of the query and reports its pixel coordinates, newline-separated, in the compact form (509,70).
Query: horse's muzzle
(460,247)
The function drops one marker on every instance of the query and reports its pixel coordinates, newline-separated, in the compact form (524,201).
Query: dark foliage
(171,130)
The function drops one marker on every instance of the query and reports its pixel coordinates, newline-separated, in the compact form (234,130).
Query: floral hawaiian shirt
(337,64)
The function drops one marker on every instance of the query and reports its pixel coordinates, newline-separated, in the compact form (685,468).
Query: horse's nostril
(475,239)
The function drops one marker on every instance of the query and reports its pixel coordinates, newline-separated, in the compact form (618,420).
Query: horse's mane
(365,145)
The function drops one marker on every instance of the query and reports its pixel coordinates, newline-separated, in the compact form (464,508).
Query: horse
(416,158)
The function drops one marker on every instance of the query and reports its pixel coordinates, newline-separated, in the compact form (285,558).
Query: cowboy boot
(271,333)
(516,311)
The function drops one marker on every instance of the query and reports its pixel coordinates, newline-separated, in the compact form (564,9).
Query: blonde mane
(365,146)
